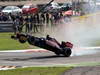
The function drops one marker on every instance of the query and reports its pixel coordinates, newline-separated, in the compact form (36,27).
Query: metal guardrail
(6,26)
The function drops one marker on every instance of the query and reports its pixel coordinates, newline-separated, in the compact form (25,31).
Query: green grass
(96,42)
(36,71)
(84,64)
(6,43)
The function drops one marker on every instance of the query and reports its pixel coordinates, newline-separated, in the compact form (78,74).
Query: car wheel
(31,40)
(22,38)
(67,52)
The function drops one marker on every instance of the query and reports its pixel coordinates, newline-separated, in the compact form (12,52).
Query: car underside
(47,43)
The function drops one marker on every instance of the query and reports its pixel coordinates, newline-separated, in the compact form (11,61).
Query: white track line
(27,50)
(87,48)
(43,50)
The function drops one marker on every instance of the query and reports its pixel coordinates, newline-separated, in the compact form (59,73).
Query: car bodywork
(47,43)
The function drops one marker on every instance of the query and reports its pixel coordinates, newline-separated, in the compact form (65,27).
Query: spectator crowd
(31,22)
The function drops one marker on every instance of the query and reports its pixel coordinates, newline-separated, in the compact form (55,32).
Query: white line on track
(87,48)
(27,50)
(43,50)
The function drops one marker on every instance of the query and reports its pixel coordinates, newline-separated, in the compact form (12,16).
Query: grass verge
(36,71)
(83,64)
(6,43)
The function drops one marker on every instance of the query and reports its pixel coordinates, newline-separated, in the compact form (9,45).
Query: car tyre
(67,52)
(22,38)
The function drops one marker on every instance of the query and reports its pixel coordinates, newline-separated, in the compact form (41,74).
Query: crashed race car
(47,43)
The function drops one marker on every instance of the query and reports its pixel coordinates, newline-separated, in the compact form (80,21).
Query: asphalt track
(39,57)
(88,70)
(47,58)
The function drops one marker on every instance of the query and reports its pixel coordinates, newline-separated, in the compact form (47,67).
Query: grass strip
(6,43)
(36,71)
(82,64)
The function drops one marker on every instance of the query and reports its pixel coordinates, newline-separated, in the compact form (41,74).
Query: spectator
(27,23)
(37,18)
(16,25)
(47,18)
(35,28)
(43,18)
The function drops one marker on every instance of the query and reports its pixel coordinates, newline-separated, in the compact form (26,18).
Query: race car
(47,43)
